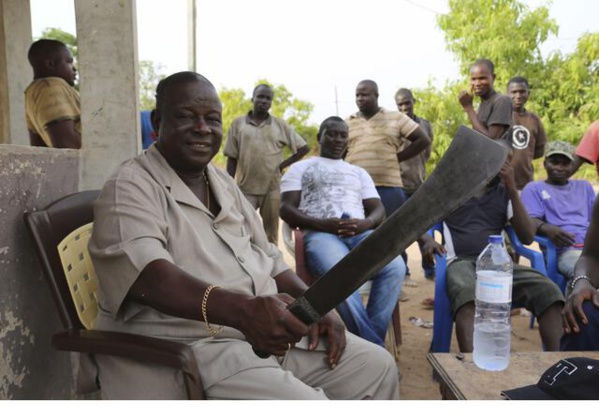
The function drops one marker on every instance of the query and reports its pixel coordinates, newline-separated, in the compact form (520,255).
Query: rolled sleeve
(128,234)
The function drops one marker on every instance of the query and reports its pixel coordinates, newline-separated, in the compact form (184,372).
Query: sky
(319,49)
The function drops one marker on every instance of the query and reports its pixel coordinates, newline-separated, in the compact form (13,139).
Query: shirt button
(241,259)
(215,226)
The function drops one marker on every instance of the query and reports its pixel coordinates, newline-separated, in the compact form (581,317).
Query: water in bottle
(492,319)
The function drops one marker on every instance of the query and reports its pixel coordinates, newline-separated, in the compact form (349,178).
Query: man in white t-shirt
(337,206)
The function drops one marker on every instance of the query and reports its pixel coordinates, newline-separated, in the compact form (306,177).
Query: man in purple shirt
(560,207)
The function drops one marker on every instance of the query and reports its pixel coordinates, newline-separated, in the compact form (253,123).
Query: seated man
(561,208)
(179,250)
(466,232)
(337,205)
(581,312)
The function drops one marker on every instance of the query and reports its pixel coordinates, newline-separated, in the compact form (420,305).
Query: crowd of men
(181,252)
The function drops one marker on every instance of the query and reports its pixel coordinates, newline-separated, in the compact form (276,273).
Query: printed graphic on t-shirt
(520,137)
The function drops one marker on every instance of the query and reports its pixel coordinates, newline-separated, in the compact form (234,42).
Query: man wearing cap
(561,208)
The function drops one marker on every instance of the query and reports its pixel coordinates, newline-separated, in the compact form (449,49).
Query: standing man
(52,106)
(413,171)
(528,134)
(493,117)
(376,137)
(254,149)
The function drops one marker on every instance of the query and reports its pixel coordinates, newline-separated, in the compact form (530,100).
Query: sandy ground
(417,379)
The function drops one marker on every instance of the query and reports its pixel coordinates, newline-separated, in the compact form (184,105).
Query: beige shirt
(145,212)
(258,150)
(51,99)
(413,171)
(375,142)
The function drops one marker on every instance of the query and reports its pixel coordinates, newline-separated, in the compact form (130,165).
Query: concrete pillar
(107,47)
(15,71)
(32,177)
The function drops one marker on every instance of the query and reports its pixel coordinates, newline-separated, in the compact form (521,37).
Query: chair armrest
(537,261)
(172,354)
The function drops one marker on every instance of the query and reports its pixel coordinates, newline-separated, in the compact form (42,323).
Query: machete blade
(469,163)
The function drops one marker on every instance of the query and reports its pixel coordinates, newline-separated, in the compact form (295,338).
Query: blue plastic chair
(442,316)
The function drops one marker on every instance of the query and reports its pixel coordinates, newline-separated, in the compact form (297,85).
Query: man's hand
(465,99)
(333,328)
(353,226)
(506,174)
(559,237)
(430,247)
(573,312)
(269,326)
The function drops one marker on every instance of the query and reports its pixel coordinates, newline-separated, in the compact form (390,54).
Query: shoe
(430,277)
(403,297)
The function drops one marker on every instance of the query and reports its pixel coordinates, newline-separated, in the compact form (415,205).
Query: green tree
(564,87)
(293,110)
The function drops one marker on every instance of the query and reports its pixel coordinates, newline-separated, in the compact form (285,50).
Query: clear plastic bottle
(492,319)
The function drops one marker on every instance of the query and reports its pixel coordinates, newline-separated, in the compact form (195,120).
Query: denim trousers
(324,250)
(566,261)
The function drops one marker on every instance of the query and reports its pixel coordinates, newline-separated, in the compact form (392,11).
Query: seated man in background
(561,208)
(337,205)
(52,108)
(581,312)
(466,233)
(180,254)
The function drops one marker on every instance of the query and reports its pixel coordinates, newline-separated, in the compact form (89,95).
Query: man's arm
(419,141)
(559,237)
(231,166)
(494,131)
(523,225)
(541,140)
(63,134)
(36,140)
(290,213)
(301,152)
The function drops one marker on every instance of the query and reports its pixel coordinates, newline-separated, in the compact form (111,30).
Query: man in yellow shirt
(52,107)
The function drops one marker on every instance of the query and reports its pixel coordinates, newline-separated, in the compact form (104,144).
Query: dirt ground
(417,379)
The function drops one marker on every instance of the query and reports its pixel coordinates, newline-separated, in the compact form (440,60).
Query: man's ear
(155,120)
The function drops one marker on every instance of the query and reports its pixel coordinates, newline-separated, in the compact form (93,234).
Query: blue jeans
(588,337)
(566,261)
(324,250)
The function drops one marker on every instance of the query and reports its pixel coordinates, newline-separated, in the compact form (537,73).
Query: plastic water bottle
(492,319)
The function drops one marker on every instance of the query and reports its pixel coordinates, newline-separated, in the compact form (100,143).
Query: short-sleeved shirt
(588,148)
(51,99)
(329,187)
(496,110)
(375,142)
(145,212)
(568,206)
(413,171)
(467,230)
(528,140)
(258,150)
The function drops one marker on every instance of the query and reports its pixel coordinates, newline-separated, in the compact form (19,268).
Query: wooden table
(461,379)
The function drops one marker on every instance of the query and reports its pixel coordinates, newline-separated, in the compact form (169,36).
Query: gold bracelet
(209,328)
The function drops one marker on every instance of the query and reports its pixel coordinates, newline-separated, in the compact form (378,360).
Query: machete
(469,163)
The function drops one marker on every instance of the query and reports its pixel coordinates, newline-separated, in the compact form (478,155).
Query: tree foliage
(564,87)
(293,110)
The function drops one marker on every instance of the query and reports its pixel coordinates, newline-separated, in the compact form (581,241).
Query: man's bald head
(175,79)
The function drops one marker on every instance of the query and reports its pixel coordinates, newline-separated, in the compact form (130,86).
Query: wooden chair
(60,234)
(302,271)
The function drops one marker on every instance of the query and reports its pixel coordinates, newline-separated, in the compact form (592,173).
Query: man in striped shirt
(376,136)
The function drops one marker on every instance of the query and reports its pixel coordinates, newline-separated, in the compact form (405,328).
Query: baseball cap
(560,147)
(574,378)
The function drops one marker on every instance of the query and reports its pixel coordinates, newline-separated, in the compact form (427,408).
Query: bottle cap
(495,239)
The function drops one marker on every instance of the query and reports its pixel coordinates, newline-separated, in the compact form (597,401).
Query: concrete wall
(32,178)
(15,71)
